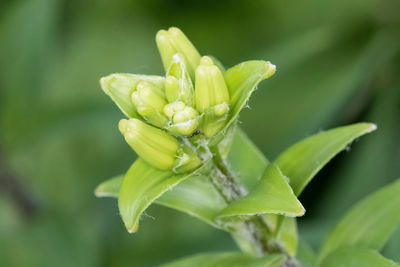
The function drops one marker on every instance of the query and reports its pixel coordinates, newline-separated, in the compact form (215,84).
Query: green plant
(193,157)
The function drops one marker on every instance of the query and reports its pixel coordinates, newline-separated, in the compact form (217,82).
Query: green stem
(252,235)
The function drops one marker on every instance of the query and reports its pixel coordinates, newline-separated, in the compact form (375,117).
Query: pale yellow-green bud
(178,85)
(174,41)
(155,146)
(187,160)
(210,89)
(150,101)
(184,119)
(172,108)
(212,96)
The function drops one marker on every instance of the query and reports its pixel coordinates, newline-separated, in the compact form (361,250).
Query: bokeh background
(338,63)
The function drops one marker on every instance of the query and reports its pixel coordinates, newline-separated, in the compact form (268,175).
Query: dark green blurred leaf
(356,257)
(222,259)
(369,224)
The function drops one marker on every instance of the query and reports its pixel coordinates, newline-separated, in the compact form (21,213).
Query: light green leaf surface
(225,259)
(303,160)
(141,186)
(356,257)
(120,86)
(110,187)
(369,224)
(287,235)
(241,80)
(245,160)
(197,197)
(271,195)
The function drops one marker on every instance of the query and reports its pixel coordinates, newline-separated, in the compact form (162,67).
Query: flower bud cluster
(192,98)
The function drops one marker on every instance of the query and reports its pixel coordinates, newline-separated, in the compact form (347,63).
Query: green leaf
(242,79)
(287,235)
(369,224)
(141,186)
(303,160)
(271,195)
(245,160)
(120,86)
(355,256)
(231,259)
(109,188)
(197,197)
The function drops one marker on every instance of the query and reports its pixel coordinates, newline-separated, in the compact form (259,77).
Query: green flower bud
(153,145)
(174,41)
(150,101)
(184,119)
(212,96)
(178,85)
(187,160)
(157,147)
(120,87)
(210,89)
(172,108)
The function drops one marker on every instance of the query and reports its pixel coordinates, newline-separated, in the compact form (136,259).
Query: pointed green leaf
(370,223)
(245,160)
(231,259)
(242,79)
(141,186)
(197,197)
(109,188)
(303,160)
(356,257)
(271,195)
(120,86)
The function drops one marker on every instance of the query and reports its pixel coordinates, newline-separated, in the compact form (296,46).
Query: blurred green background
(338,63)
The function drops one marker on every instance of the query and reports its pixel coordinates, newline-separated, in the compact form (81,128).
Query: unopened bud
(187,160)
(178,85)
(184,119)
(174,41)
(210,89)
(172,108)
(155,146)
(212,96)
(149,101)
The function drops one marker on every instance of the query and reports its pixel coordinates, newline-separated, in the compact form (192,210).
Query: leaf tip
(373,127)
(133,229)
(99,192)
(271,69)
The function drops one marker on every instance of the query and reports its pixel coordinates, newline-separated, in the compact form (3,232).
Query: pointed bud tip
(161,36)
(175,31)
(206,60)
(123,126)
